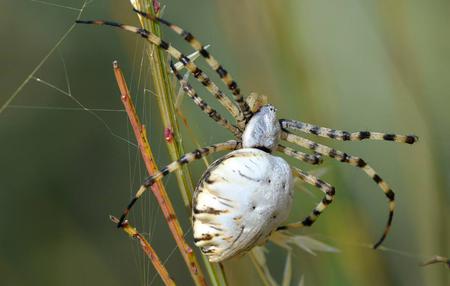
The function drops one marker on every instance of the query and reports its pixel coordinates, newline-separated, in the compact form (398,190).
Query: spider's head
(263,130)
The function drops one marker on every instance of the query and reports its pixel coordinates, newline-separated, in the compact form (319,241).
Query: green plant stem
(165,90)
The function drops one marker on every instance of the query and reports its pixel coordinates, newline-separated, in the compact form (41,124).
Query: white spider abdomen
(240,199)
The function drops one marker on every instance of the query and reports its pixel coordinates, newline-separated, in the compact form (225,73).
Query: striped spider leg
(346,158)
(253,101)
(198,74)
(212,62)
(345,135)
(212,113)
(311,159)
(170,168)
(325,187)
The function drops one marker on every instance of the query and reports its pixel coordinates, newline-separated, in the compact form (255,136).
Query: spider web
(135,168)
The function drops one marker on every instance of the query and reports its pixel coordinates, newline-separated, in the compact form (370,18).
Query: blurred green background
(353,65)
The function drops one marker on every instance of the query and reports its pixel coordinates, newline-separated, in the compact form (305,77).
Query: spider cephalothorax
(246,195)
(263,130)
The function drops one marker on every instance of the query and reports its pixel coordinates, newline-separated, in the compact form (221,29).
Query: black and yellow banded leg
(185,159)
(313,159)
(345,135)
(212,62)
(212,113)
(354,161)
(187,63)
(326,201)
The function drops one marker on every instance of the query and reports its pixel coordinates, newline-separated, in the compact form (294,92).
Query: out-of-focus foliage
(355,65)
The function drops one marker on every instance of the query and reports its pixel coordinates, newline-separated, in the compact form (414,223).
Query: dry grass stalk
(158,188)
(149,251)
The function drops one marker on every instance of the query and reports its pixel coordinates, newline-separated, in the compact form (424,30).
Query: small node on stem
(168,134)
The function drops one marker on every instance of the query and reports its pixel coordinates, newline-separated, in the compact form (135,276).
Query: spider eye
(271,108)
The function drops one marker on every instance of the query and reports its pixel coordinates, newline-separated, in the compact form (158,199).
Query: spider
(246,195)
